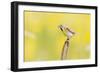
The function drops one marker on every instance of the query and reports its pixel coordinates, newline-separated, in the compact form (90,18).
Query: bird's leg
(65,50)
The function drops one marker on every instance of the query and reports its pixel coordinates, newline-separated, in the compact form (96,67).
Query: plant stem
(65,50)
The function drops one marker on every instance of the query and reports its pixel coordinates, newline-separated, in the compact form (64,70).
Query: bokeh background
(43,40)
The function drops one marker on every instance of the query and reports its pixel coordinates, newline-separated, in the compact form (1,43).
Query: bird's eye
(61,29)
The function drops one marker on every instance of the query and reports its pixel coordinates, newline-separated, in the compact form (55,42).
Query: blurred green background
(44,41)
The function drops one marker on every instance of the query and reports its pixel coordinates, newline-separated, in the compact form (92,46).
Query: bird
(66,31)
